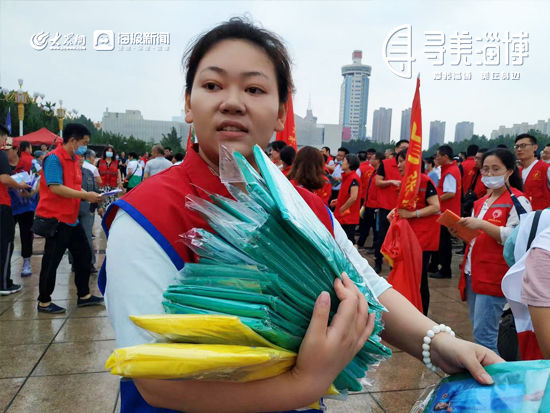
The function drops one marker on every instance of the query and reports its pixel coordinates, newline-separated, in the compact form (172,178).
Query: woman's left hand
(406,214)
(472,223)
(454,355)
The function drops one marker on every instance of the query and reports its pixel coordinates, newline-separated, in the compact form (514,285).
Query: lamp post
(21,98)
(60,115)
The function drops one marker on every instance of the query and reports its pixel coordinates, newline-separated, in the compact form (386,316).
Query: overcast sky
(320,35)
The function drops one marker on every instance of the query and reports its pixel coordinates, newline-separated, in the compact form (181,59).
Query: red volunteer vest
(387,197)
(366,172)
(169,189)
(488,265)
(350,215)
(454,203)
(51,205)
(108,172)
(468,173)
(324,192)
(426,228)
(25,163)
(372,192)
(536,187)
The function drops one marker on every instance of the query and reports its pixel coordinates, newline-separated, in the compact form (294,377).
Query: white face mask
(109,154)
(494,182)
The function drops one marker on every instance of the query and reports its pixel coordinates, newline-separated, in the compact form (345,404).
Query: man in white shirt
(89,164)
(337,172)
(158,163)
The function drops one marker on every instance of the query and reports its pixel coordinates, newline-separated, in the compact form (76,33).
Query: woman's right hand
(327,350)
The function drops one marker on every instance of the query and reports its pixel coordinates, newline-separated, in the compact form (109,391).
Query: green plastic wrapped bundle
(270,259)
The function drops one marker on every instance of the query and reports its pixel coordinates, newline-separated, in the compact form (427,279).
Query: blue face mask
(81,150)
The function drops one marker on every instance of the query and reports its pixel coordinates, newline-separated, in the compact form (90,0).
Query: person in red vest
(111,177)
(534,173)
(470,178)
(423,221)
(366,173)
(371,201)
(275,153)
(388,181)
(308,172)
(484,266)
(237,85)
(287,155)
(25,158)
(7,224)
(60,195)
(450,190)
(347,205)
(325,150)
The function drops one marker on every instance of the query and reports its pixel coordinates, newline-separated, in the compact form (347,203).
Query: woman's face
(275,155)
(401,165)
(345,165)
(493,166)
(234,99)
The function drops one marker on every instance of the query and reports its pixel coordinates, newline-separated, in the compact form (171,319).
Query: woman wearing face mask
(484,267)
(110,175)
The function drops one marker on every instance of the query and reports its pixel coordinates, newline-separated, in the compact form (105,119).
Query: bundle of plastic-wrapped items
(241,313)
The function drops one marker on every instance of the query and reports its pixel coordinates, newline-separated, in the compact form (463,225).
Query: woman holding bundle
(308,171)
(237,83)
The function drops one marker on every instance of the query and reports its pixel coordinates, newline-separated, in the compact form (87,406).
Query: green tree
(172,140)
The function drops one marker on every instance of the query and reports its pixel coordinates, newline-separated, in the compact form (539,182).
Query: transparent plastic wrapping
(268,263)
(521,386)
(199,362)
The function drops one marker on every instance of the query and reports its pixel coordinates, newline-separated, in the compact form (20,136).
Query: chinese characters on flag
(288,134)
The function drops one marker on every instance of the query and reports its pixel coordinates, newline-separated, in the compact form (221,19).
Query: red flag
(401,247)
(288,134)
(189,139)
(411,180)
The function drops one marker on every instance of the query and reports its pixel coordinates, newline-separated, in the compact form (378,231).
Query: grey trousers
(87,221)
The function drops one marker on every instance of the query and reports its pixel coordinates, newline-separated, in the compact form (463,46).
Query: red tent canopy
(38,138)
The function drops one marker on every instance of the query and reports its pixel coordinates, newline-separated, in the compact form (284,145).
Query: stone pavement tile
(90,311)
(79,357)
(8,389)
(448,312)
(61,292)
(29,331)
(355,403)
(90,393)
(26,310)
(4,306)
(19,360)
(117,406)
(397,401)
(86,329)
(401,372)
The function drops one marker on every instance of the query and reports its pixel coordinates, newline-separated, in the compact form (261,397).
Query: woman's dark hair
(112,150)
(379,156)
(509,161)
(23,146)
(240,28)
(308,168)
(277,145)
(133,155)
(353,161)
(288,154)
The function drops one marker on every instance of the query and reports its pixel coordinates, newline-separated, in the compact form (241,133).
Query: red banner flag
(411,180)
(401,248)
(288,134)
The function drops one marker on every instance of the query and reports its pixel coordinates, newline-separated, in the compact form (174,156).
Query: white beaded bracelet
(426,357)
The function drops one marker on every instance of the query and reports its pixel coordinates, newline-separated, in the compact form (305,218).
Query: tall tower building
(437,132)
(464,131)
(381,125)
(354,97)
(405,124)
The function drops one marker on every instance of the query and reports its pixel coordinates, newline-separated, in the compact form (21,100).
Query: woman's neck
(497,192)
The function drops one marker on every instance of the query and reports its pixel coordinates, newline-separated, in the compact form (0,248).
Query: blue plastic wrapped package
(520,387)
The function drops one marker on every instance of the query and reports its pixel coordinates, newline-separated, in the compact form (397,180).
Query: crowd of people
(237,84)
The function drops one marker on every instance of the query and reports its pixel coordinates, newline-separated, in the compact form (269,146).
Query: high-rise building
(464,131)
(405,124)
(381,125)
(437,132)
(354,97)
(524,127)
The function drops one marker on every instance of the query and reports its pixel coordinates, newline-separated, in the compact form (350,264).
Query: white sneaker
(27,270)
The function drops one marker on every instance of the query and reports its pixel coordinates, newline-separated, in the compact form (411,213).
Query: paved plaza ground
(55,363)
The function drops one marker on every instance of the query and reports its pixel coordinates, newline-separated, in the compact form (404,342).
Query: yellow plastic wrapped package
(200,362)
(202,329)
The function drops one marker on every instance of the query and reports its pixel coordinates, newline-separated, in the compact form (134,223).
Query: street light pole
(60,115)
